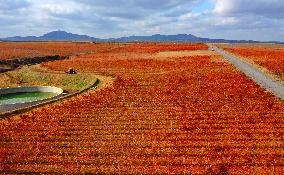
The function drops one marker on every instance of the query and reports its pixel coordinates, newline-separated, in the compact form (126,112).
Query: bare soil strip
(262,79)
(167,54)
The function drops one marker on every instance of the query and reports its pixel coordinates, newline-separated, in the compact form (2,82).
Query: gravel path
(265,81)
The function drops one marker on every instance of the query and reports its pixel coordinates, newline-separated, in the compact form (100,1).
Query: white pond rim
(6,105)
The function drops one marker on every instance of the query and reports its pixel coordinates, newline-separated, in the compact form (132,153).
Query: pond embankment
(11,64)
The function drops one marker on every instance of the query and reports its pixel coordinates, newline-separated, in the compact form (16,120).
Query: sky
(261,20)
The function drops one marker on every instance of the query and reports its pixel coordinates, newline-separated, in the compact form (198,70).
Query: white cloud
(226,21)
(223,7)
(13,5)
(62,9)
(189,16)
(268,8)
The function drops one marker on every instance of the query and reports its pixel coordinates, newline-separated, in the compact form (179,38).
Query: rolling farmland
(181,113)
(17,50)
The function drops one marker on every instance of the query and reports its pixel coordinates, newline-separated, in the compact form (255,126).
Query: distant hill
(53,36)
(158,37)
(177,38)
(19,38)
(65,36)
(62,35)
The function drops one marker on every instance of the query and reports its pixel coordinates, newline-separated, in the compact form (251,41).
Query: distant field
(171,109)
(12,50)
(268,56)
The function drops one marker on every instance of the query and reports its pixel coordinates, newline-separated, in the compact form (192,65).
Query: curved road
(265,81)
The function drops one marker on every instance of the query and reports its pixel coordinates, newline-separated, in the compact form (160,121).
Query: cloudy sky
(229,19)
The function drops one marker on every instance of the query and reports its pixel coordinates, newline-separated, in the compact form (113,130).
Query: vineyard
(189,114)
(14,50)
(270,57)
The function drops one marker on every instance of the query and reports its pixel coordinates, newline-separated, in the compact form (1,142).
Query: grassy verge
(34,76)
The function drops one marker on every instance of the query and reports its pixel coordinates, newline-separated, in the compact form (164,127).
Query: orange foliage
(185,115)
(158,47)
(12,50)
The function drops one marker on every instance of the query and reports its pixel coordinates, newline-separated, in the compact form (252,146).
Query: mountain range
(65,36)
(53,36)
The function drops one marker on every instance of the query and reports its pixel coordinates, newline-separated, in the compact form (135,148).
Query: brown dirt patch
(167,54)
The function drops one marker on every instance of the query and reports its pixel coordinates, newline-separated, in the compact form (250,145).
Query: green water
(24,97)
